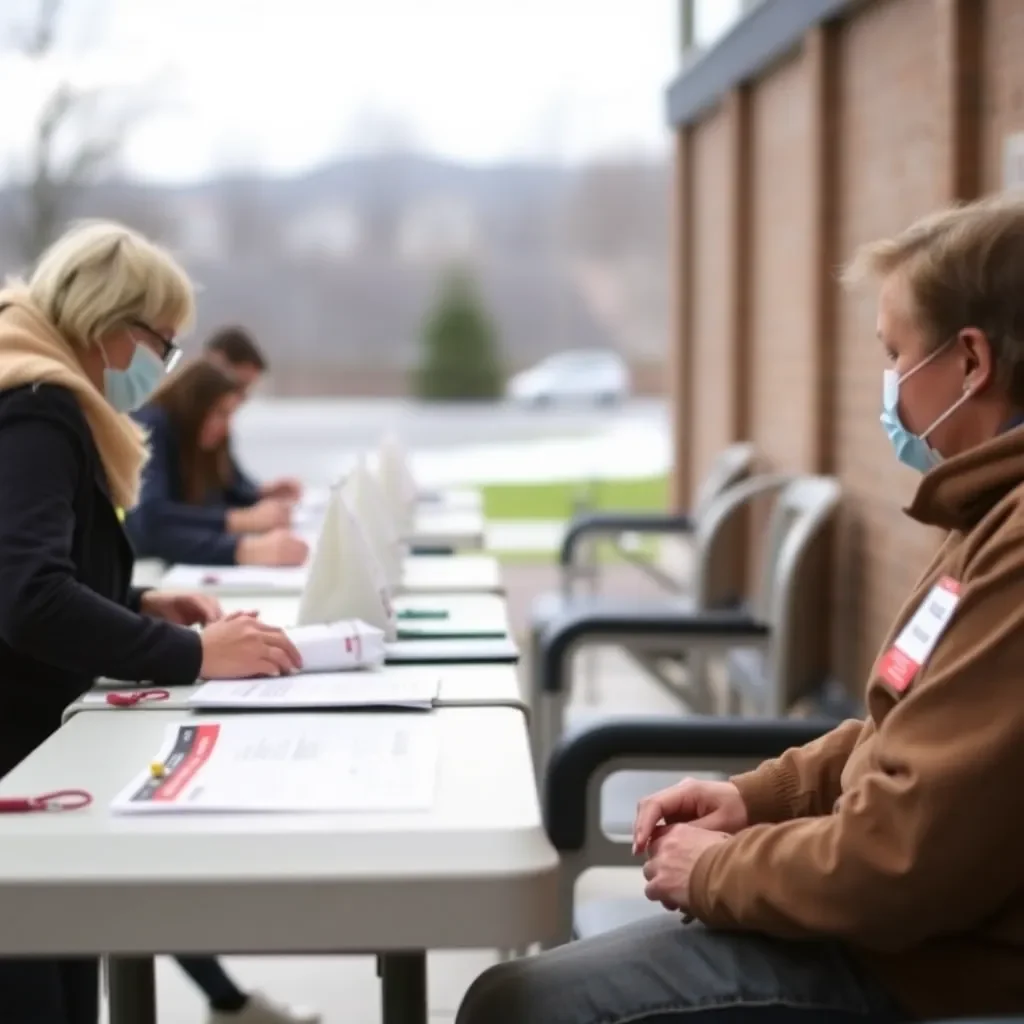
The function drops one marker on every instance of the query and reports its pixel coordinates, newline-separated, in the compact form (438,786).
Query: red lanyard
(58,800)
(75,799)
(132,697)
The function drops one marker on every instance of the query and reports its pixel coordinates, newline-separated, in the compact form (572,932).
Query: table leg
(132,990)
(403,983)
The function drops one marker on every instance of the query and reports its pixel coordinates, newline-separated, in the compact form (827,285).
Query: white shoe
(261,1010)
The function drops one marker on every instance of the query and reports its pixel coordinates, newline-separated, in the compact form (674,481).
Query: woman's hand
(265,515)
(241,647)
(182,609)
(286,489)
(279,547)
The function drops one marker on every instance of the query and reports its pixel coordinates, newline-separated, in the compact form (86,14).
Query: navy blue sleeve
(184,545)
(45,613)
(243,491)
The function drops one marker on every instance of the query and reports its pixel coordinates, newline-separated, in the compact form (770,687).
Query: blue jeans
(663,971)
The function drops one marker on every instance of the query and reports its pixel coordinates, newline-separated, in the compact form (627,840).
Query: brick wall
(712,391)
(1002,84)
(782,274)
(891,151)
(870,124)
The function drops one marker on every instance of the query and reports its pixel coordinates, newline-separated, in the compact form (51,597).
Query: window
(704,22)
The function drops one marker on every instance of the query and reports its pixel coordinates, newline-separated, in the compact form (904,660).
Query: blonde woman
(82,343)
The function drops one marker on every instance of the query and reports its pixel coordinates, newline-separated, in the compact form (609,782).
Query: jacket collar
(959,492)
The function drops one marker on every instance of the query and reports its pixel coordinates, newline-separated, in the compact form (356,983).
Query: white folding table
(451,574)
(452,499)
(475,871)
(422,574)
(460,649)
(461,686)
(447,530)
(314,500)
(464,616)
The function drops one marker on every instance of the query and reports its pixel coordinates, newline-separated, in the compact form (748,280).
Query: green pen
(423,613)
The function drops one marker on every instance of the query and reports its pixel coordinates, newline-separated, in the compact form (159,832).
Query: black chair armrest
(578,757)
(620,522)
(654,621)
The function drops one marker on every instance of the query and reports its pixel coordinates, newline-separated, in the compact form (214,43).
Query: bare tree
(619,208)
(75,140)
(390,142)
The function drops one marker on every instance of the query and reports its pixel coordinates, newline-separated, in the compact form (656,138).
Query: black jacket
(164,525)
(68,612)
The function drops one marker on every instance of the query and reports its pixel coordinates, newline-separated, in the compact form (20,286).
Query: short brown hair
(236,346)
(187,397)
(965,268)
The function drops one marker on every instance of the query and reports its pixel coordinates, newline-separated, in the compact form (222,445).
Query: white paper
(338,646)
(397,481)
(322,690)
(242,579)
(314,501)
(345,579)
(290,763)
(367,500)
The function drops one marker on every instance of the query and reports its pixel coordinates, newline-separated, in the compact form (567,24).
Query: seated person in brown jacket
(877,874)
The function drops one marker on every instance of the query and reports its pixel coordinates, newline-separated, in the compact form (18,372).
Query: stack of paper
(322,690)
(238,579)
(282,763)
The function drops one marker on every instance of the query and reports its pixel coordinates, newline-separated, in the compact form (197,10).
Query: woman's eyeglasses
(168,351)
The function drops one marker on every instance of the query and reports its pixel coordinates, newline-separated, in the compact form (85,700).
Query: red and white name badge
(919,636)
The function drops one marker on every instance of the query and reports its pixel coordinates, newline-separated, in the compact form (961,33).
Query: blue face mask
(127,390)
(912,450)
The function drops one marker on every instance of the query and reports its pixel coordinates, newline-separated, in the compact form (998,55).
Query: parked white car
(594,376)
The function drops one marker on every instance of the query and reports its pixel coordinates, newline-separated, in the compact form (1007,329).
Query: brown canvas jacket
(903,835)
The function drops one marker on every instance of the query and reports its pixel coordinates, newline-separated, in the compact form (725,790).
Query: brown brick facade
(898,109)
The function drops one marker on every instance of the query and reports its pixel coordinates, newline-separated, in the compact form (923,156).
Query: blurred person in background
(84,342)
(235,350)
(194,508)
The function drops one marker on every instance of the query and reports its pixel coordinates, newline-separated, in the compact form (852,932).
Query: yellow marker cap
(156,769)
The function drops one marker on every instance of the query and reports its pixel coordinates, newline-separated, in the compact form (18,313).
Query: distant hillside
(335,269)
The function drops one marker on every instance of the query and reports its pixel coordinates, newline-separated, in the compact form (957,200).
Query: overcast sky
(285,84)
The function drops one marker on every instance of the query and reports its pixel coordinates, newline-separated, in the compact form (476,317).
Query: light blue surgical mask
(128,389)
(912,450)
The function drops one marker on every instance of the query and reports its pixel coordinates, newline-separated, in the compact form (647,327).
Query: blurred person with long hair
(193,508)
(234,349)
